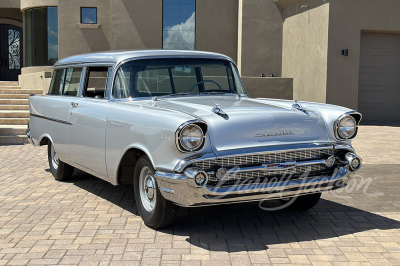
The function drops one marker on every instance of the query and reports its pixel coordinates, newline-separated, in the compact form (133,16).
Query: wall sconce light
(345,52)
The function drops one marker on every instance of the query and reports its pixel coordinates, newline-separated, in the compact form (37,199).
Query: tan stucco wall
(28,70)
(136,24)
(305,50)
(10,4)
(217,26)
(261,39)
(74,40)
(26,4)
(38,81)
(347,19)
(279,88)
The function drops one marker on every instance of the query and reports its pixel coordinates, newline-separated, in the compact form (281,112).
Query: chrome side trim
(336,125)
(52,119)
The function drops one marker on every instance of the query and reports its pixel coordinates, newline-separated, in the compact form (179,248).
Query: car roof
(115,57)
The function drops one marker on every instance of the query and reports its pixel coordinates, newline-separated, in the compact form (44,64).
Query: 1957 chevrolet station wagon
(179,126)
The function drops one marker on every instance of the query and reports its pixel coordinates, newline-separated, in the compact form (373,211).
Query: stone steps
(18,91)
(14,112)
(14,101)
(13,134)
(14,107)
(12,130)
(14,96)
(14,121)
(9,83)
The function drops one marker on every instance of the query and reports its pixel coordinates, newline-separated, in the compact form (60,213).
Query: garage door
(379,84)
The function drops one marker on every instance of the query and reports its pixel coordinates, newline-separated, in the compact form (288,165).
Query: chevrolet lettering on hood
(179,128)
(260,135)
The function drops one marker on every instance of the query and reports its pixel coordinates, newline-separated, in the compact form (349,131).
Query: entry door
(10,52)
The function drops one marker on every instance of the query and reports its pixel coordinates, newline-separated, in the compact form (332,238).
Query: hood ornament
(217,110)
(299,107)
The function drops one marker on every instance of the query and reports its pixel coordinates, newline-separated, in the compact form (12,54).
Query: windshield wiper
(173,94)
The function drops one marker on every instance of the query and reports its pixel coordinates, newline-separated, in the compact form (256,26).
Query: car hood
(251,122)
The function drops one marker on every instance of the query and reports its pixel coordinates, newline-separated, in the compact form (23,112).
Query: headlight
(346,127)
(190,137)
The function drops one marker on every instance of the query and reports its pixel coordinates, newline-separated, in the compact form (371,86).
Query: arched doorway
(10,52)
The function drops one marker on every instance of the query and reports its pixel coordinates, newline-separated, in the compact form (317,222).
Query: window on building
(41,36)
(88,15)
(179,24)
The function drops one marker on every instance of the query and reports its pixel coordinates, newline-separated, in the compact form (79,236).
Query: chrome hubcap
(147,189)
(54,157)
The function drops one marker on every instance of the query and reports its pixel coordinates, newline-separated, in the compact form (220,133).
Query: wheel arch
(44,140)
(127,163)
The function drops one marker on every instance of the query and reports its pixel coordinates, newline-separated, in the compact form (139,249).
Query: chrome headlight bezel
(352,115)
(200,125)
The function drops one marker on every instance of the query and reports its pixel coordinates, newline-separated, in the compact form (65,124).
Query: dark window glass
(56,85)
(179,24)
(158,77)
(41,35)
(96,82)
(89,15)
(72,80)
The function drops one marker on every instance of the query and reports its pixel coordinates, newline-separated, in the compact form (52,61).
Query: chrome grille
(304,170)
(280,157)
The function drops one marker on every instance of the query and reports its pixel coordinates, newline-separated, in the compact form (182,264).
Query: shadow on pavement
(246,227)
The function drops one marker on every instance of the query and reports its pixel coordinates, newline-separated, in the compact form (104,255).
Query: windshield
(161,77)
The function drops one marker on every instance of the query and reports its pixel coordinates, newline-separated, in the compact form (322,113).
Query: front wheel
(60,170)
(301,203)
(155,210)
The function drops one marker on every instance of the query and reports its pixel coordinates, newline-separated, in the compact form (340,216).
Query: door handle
(74,104)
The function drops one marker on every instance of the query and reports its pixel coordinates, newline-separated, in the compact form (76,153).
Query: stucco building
(344,52)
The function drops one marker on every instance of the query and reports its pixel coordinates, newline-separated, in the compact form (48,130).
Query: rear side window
(96,82)
(65,82)
(56,85)
(72,80)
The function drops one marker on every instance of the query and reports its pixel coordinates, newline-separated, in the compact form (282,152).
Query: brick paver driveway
(89,222)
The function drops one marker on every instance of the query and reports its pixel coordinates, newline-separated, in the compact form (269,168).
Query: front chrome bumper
(176,187)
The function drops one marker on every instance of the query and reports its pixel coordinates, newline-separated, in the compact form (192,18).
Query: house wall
(27,4)
(347,20)
(73,39)
(217,26)
(136,24)
(260,39)
(305,49)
